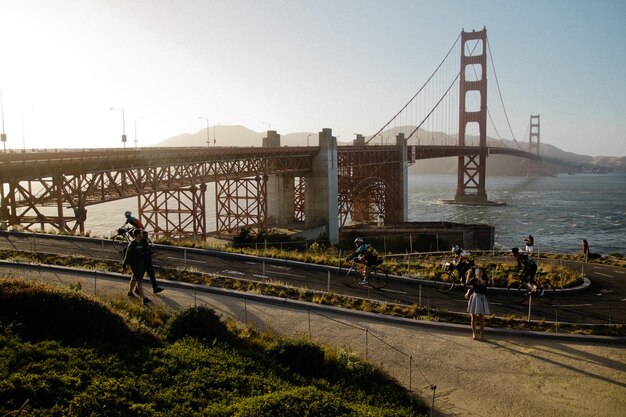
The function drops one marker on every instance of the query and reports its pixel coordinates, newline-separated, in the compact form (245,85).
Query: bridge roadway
(31,165)
(603,301)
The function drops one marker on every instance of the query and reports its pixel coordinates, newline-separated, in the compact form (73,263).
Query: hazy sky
(298,66)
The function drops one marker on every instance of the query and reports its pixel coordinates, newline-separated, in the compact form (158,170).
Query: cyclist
(367,255)
(528,268)
(463,261)
(132,221)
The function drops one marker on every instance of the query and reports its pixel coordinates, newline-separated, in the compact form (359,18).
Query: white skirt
(478,304)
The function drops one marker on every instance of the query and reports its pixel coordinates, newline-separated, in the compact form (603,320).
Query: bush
(300,356)
(199,323)
(35,313)
(296,402)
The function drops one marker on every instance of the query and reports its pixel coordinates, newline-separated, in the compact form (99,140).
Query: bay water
(558,211)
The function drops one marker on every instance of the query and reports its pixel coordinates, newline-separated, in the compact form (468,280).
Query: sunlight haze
(299,66)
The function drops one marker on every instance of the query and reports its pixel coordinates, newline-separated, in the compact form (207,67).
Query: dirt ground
(507,375)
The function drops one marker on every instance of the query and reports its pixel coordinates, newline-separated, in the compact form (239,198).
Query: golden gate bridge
(323,186)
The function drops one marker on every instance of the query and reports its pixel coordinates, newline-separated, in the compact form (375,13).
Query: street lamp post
(307,139)
(3,135)
(123,124)
(208,139)
(139,118)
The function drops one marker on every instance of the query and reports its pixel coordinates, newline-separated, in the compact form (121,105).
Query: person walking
(150,266)
(135,256)
(477,304)
(530,242)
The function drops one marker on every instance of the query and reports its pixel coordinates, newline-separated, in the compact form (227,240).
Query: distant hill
(555,159)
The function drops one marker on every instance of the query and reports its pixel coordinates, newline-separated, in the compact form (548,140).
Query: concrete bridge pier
(280,190)
(321,191)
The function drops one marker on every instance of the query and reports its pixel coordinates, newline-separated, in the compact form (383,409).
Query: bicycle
(520,289)
(448,279)
(378,278)
(123,238)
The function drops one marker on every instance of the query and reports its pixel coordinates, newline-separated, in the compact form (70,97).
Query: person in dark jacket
(137,255)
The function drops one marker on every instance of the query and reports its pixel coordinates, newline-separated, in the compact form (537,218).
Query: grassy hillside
(63,353)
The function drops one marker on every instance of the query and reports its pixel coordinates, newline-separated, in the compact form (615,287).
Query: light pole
(3,135)
(123,124)
(139,118)
(269,125)
(214,140)
(307,139)
(208,139)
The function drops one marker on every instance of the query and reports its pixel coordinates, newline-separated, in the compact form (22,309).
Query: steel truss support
(175,214)
(369,184)
(471,168)
(299,198)
(241,203)
(58,203)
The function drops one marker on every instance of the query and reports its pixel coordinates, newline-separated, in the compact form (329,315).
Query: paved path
(507,375)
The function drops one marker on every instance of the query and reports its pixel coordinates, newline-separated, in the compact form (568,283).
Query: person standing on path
(477,304)
(135,256)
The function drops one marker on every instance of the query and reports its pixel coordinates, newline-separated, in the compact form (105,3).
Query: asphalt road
(602,302)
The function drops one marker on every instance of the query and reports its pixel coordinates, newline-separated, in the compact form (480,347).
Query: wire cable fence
(362,336)
(589,314)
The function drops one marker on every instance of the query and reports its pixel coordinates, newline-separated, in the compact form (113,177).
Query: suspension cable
(493,67)
(416,94)
(434,108)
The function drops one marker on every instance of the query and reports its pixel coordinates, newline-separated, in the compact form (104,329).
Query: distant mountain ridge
(237,135)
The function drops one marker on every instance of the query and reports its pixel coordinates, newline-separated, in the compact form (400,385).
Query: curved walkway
(510,374)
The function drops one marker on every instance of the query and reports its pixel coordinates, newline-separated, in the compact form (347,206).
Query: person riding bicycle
(131,222)
(463,261)
(367,255)
(528,268)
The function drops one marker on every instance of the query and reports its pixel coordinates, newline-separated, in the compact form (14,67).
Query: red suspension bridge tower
(471,168)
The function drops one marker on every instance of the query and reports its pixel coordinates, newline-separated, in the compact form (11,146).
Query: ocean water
(558,211)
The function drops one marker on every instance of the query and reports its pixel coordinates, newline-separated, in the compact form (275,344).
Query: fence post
(432,405)
(419,297)
(309,314)
(556,318)
(366,344)
(339,261)
(328,290)
(410,242)
(530,302)
(410,372)
(185,258)
(245,311)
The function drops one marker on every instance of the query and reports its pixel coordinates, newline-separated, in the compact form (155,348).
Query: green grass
(63,353)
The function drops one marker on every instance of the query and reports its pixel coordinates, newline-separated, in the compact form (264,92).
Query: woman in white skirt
(477,304)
